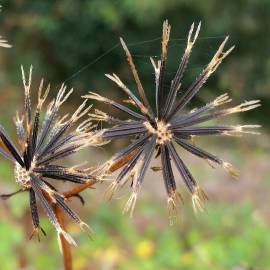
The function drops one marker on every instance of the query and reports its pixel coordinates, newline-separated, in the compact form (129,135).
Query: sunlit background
(77,42)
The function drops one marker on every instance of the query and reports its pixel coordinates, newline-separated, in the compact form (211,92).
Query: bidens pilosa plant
(42,141)
(156,130)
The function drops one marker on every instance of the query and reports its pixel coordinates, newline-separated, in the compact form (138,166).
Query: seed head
(44,141)
(157,129)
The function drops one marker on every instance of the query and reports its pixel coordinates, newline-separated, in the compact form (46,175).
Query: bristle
(62,96)
(243,107)
(130,205)
(230,169)
(220,100)
(236,130)
(173,202)
(136,101)
(86,228)
(198,199)
(244,129)
(99,116)
(41,98)
(218,57)
(85,126)
(110,191)
(156,66)
(27,83)
(80,112)
(191,41)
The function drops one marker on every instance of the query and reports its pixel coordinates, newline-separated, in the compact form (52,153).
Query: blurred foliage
(61,37)
(224,239)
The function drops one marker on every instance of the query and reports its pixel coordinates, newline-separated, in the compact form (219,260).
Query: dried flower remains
(42,141)
(159,129)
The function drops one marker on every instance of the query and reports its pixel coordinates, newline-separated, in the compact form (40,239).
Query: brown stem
(66,249)
(76,190)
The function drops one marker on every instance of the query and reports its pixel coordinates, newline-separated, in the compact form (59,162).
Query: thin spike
(10,146)
(27,86)
(100,98)
(36,183)
(162,67)
(136,77)
(197,151)
(186,175)
(138,103)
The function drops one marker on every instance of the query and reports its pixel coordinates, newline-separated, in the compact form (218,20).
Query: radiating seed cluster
(158,129)
(42,142)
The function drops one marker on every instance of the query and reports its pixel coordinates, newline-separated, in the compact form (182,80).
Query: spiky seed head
(158,129)
(44,141)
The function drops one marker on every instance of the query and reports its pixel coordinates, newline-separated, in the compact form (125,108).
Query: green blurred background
(77,42)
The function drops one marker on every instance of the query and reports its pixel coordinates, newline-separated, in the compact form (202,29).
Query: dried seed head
(43,141)
(160,127)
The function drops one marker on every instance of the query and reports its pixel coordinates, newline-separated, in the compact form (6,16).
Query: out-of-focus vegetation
(60,38)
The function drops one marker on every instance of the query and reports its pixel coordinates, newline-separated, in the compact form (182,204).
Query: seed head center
(161,130)
(22,176)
